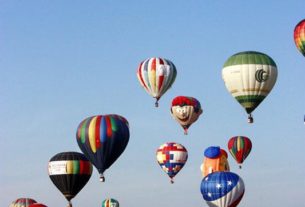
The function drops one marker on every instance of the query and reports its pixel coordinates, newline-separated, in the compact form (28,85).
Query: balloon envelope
(222,189)
(103,139)
(22,202)
(171,158)
(215,160)
(110,202)
(69,172)
(299,36)
(249,77)
(240,147)
(185,110)
(156,76)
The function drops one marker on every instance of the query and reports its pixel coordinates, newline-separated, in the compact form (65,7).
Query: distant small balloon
(110,202)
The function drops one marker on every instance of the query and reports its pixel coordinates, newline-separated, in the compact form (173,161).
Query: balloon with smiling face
(185,110)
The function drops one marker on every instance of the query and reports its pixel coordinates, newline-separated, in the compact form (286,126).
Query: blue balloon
(212,152)
(222,189)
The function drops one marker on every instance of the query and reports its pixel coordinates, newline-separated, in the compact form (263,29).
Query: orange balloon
(216,164)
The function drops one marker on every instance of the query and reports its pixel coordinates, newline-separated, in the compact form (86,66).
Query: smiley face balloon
(185,110)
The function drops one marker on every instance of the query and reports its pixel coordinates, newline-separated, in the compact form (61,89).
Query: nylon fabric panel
(91,134)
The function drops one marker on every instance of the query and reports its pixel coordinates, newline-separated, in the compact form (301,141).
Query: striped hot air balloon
(222,189)
(240,147)
(69,172)
(110,202)
(156,75)
(22,202)
(171,158)
(103,139)
(249,77)
(299,36)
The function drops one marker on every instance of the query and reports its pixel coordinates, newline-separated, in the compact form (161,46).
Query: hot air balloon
(22,202)
(156,75)
(37,205)
(185,110)
(110,202)
(103,139)
(215,160)
(249,77)
(222,189)
(299,36)
(240,147)
(69,171)
(171,158)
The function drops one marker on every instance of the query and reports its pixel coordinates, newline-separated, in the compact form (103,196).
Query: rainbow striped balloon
(110,202)
(156,75)
(103,139)
(299,36)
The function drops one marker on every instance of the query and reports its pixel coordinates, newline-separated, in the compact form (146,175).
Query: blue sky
(62,61)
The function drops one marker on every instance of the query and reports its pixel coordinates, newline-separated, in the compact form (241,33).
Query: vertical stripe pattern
(22,202)
(240,147)
(110,202)
(156,75)
(103,139)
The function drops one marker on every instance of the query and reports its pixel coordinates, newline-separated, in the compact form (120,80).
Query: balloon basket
(102,178)
(250,119)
